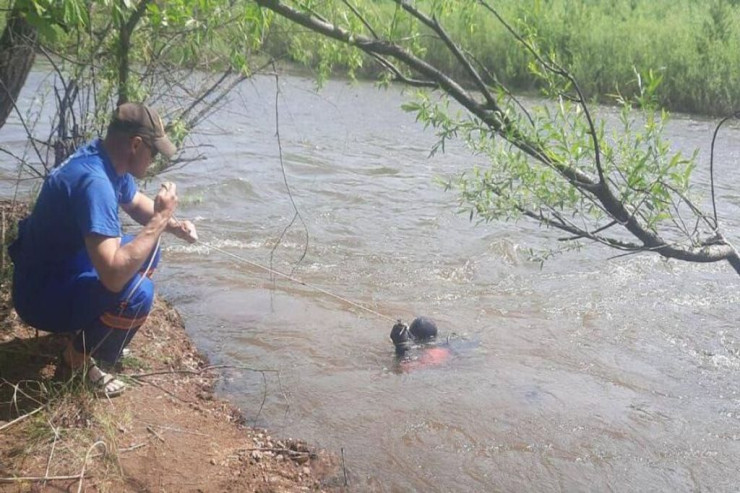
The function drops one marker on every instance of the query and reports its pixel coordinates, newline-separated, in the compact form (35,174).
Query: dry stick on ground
(21,418)
(169,392)
(153,432)
(87,457)
(53,446)
(39,478)
(198,372)
(276,450)
(140,376)
(177,430)
(294,455)
(46,477)
(17,390)
(121,450)
(132,447)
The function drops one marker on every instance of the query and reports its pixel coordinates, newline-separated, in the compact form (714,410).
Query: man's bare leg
(73,358)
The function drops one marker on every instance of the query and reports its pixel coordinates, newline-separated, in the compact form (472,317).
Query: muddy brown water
(587,374)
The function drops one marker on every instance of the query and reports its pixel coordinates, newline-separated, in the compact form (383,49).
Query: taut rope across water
(303,283)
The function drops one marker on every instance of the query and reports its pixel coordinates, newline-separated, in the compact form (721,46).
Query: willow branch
(500,124)
(398,75)
(498,84)
(361,17)
(434,25)
(495,120)
(558,70)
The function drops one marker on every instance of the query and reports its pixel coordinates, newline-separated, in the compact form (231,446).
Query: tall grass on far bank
(693,44)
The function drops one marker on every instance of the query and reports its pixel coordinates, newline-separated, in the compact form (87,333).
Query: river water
(588,373)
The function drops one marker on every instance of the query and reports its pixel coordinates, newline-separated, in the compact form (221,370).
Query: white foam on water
(204,248)
(724,361)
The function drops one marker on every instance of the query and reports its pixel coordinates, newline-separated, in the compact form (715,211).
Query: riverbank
(167,432)
(611,48)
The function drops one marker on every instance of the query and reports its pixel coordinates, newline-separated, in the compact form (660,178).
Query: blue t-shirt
(78,198)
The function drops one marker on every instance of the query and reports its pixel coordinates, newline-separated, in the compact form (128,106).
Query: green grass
(134,363)
(694,44)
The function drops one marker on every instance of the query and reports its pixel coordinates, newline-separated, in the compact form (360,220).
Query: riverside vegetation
(693,44)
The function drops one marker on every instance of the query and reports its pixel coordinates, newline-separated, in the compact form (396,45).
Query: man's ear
(135,142)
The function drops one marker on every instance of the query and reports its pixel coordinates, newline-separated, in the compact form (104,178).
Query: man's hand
(166,200)
(185,230)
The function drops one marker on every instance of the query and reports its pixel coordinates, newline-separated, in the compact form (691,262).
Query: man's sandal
(104,384)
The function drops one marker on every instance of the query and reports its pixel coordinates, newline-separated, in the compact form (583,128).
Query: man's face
(143,153)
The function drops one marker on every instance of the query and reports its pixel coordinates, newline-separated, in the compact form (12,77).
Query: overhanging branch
(597,188)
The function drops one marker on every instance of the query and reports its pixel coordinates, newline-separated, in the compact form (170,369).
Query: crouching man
(74,271)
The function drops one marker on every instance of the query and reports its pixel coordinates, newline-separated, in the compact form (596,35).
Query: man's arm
(117,264)
(141,210)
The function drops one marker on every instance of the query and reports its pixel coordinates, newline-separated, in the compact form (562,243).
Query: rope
(303,283)
(143,275)
(253,264)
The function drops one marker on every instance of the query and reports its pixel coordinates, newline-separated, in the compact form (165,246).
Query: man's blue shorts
(71,298)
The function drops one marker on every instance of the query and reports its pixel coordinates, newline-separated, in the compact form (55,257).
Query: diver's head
(400,337)
(423,329)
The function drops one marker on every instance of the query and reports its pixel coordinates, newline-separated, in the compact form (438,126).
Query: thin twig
(399,75)
(25,127)
(291,453)
(434,25)
(264,397)
(87,456)
(555,68)
(20,418)
(153,432)
(179,430)
(344,468)
(168,392)
(38,478)
(53,446)
(132,447)
(711,167)
(122,450)
(364,21)
(277,450)
(297,213)
(197,372)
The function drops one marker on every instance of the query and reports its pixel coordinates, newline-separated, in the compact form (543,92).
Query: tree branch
(558,70)
(434,25)
(499,123)
(402,78)
(361,17)
(495,120)
(124,47)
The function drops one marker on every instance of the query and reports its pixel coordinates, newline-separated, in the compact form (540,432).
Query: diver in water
(416,345)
